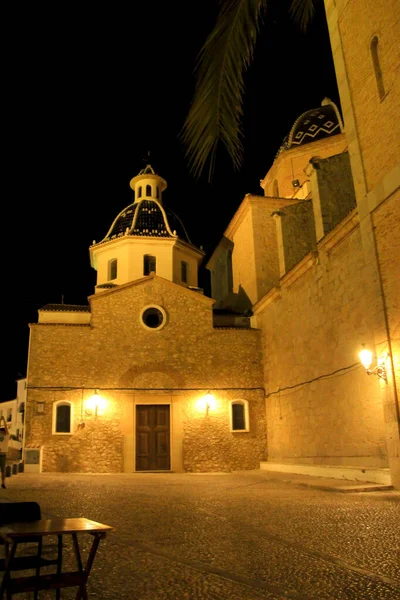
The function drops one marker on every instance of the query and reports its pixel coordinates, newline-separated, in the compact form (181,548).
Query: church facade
(266,373)
(143,366)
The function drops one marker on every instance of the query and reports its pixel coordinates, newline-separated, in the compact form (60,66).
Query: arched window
(139,191)
(377,67)
(62,418)
(275,189)
(149,264)
(112,269)
(239,415)
(148,190)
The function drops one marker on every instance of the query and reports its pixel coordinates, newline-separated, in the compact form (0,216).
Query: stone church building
(153,375)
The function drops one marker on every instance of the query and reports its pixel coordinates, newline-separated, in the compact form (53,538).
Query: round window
(154,317)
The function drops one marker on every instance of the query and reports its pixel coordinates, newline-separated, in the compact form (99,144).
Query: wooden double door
(153,437)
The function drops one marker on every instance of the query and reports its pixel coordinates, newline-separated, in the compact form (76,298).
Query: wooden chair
(11,512)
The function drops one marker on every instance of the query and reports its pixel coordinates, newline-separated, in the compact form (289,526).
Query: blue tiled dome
(147,216)
(314,125)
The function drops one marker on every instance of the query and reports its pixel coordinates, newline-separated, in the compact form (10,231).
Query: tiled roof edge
(65,308)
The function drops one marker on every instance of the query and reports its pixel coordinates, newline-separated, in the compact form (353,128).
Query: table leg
(9,556)
(59,562)
(38,557)
(82,593)
(77,552)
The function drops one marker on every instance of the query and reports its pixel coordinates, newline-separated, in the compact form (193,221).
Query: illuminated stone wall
(255,254)
(265,243)
(210,446)
(132,364)
(255,260)
(243,260)
(298,233)
(376,125)
(369,93)
(386,219)
(314,327)
(290,164)
(336,195)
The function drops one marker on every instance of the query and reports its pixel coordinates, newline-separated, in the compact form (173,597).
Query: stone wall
(290,164)
(221,271)
(243,261)
(94,447)
(210,446)
(386,220)
(377,125)
(373,134)
(265,244)
(255,258)
(321,406)
(335,189)
(298,232)
(117,354)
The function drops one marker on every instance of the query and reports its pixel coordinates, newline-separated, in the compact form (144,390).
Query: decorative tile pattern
(313,125)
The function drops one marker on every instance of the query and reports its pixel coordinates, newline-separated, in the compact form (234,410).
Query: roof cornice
(146,279)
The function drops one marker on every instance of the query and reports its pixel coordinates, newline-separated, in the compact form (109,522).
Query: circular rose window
(153,317)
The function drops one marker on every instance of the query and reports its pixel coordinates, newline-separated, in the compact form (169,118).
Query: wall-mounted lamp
(296,183)
(94,404)
(208,402)
(366,360)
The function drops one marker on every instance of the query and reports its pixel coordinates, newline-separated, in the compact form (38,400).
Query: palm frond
(216,110)
(302,12)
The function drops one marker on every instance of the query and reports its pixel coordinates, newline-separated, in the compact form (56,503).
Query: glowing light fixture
(366,360)
(95,404)
(206,402)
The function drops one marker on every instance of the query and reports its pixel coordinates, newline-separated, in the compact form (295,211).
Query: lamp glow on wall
(207,402)
(366,359)
(95,404)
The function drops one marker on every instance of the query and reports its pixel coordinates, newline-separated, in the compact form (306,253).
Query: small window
(139,192)
(184,271)
(377,67)
(239,415)
(153,317)
(62,418)
(148,190)
(112,269)
(149,264)
(9,415)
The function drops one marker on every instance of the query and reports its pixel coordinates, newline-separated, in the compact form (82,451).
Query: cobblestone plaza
(239,536)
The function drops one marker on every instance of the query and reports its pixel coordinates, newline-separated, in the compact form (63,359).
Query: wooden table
(15,533)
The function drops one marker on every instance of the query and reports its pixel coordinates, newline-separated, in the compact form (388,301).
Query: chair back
(13,512)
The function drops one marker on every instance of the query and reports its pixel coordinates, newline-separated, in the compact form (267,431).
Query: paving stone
(240,536)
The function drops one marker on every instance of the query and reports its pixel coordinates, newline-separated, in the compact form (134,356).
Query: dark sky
(87,94)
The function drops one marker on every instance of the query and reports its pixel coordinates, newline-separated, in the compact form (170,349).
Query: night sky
(87,95)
